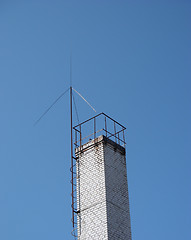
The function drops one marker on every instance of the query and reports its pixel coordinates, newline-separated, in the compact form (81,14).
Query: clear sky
(131,60)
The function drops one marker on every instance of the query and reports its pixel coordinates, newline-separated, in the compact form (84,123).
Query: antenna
(73,159)
(71,139)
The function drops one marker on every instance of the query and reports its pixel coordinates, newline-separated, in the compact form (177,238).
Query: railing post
(80,138)
(76,138)
(105,126)
(94,128)
(115,132)
(123,138)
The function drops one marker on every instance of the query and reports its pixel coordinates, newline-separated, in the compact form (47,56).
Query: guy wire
(50,107)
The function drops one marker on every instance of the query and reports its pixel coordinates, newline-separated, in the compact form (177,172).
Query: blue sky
(131,60)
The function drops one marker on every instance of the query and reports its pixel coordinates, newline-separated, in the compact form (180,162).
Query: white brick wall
(118,216)
(102,192)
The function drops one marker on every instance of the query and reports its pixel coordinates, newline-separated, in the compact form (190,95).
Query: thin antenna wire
(50,107)
(76,109)
(71,68)
(84,99)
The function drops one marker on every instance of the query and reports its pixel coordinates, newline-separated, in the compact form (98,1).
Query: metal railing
(107,127)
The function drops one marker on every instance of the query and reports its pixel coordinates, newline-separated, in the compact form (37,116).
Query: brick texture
(102,192)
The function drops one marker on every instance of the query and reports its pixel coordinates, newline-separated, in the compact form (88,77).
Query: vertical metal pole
(123,138)
(115,132)
(106,126)
(80,138)
(71,148)
(94,128)
(76,138)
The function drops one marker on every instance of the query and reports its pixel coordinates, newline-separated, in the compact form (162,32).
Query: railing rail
(107,122)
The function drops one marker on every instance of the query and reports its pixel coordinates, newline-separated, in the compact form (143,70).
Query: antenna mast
(71,138)
(75,210)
